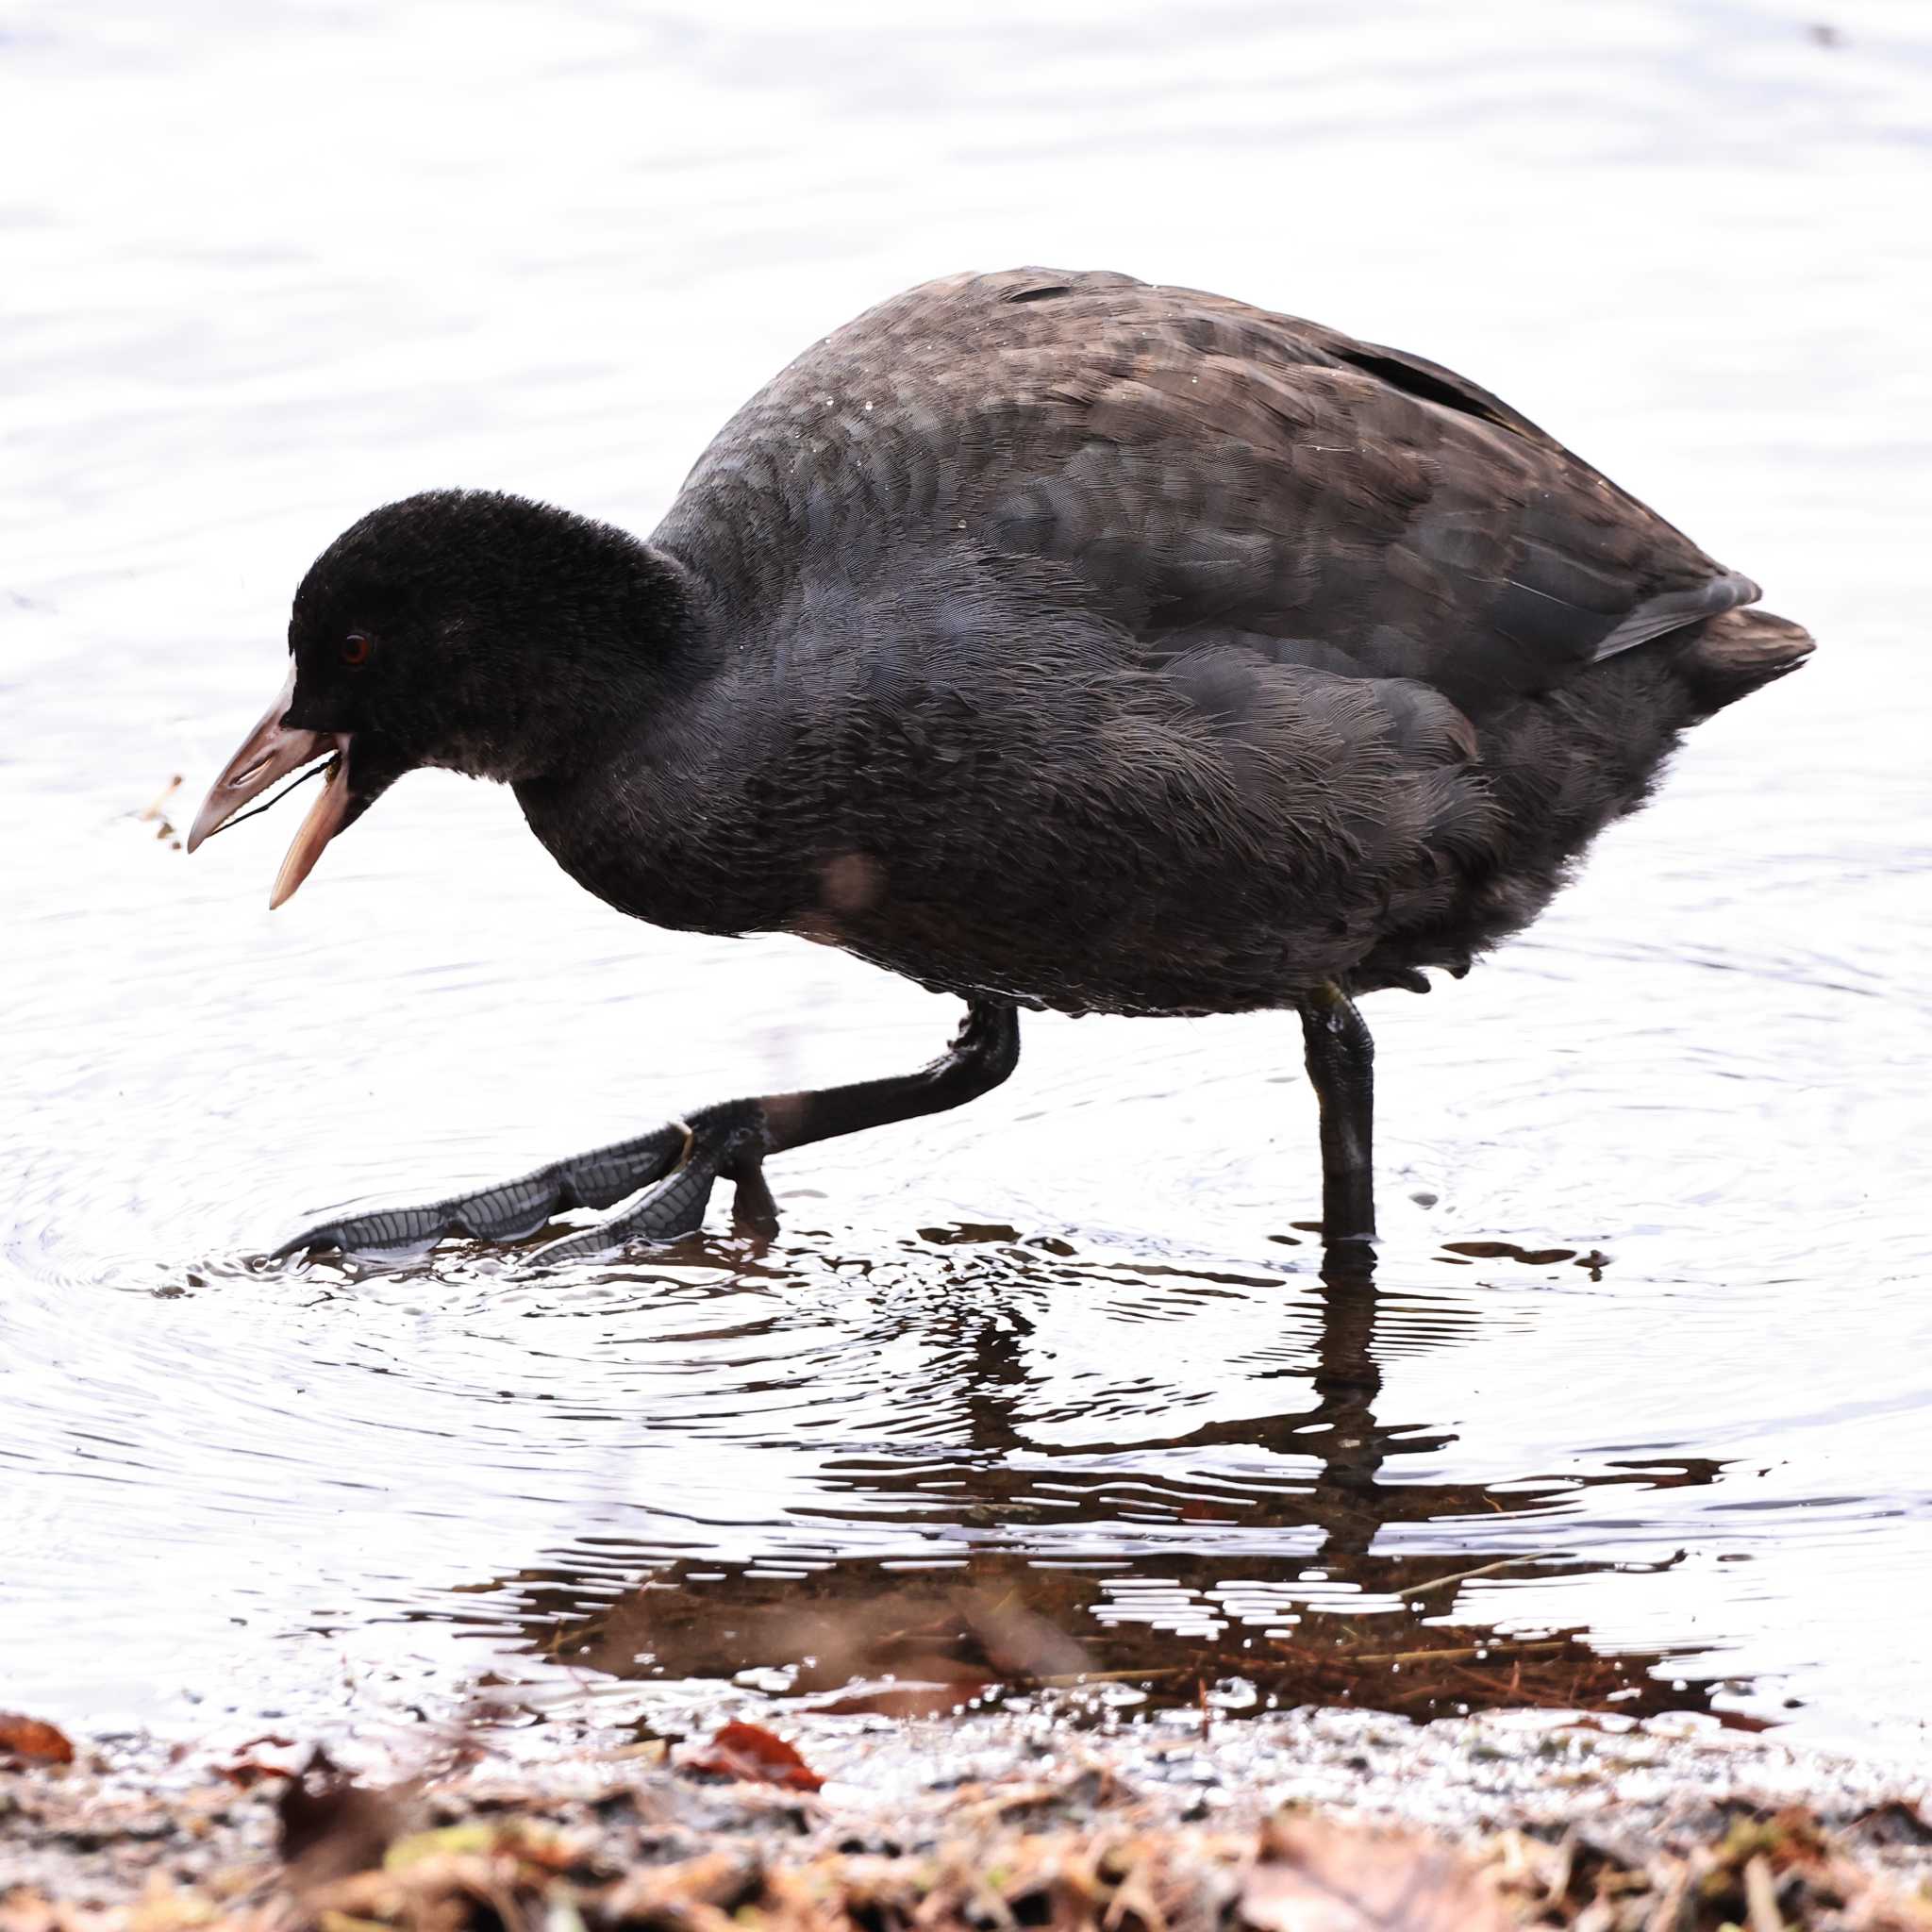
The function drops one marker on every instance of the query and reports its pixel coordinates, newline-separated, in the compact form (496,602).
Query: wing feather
(1189,466)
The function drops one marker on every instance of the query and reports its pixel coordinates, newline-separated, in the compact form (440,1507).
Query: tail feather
(1729,656)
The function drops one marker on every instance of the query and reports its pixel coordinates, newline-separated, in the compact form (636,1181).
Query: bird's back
(1191,465)
(1111,646)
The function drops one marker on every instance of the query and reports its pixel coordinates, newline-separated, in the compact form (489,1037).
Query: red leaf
(27,1736)
(251,1770)
(752,1753)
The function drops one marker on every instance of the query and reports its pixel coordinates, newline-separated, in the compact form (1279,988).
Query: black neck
(612,631)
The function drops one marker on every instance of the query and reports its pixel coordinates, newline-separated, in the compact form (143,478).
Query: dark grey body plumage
(1112,648)
(1057,641)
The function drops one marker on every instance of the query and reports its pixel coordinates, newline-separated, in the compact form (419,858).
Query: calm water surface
(263,271)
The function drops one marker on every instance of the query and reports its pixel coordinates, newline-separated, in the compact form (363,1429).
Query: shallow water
(263,271)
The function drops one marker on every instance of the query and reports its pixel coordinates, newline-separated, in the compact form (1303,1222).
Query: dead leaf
(689,1893)
(449,1841)
(1896,1822)
(38,1742)
(27,1911)
(249,1771)
(1315,1876)
(750,1753)
(330,1825)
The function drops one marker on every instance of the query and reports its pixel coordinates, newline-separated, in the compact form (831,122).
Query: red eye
(355,648)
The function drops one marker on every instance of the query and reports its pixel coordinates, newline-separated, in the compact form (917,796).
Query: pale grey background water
(261,269)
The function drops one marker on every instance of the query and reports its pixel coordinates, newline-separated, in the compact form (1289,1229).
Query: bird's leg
(1341,1059)
(679,1165)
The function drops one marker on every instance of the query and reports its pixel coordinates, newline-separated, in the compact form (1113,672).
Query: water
(263,272)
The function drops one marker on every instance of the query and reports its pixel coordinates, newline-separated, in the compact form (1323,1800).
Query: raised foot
(677,1166)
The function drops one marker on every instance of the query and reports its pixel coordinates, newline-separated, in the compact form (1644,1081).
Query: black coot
(1058,642)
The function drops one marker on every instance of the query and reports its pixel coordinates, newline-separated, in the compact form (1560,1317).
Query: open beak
(272,751)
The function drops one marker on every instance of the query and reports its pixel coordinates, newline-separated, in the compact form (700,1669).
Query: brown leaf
(1897,1821)
(38,1742)
(330,1825)
(1315,1876)
(703,1894)
(248,1772)
(27,1911)
(752,1753)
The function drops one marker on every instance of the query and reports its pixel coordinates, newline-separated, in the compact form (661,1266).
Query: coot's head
(462,628)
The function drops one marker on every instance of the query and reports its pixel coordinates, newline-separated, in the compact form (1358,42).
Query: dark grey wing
(1200,472)
(1215,466)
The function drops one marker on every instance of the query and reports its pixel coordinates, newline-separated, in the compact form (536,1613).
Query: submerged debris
(858,1638)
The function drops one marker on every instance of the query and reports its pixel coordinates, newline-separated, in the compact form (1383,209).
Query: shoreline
(996,1821)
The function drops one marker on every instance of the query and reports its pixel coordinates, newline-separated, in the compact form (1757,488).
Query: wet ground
(1643,1391)
(856,1821)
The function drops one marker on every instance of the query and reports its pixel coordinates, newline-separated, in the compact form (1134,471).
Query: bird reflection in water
(1235,1561)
